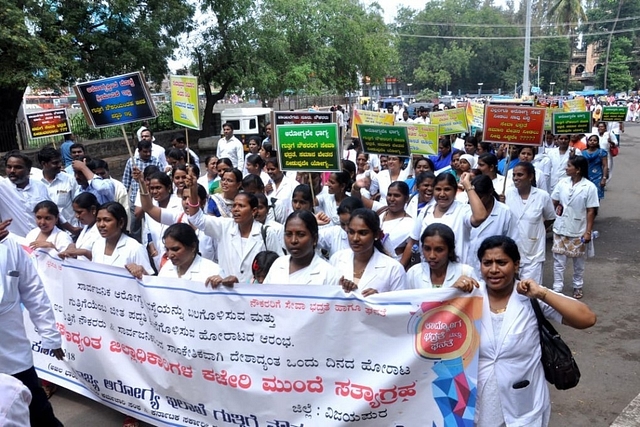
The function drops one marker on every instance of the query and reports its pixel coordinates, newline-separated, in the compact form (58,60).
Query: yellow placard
(450,121)
(363,117)
(423,139)
(184,101)
(475,114)
(573,105)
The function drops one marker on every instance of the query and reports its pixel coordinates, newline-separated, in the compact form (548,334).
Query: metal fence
(296,102)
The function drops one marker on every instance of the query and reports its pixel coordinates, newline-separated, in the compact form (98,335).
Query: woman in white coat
(512,389)
(440,268)
(239,239)
(181,249)
(534,213)
(303,266)
(85,207)
(365,265)
(116,248)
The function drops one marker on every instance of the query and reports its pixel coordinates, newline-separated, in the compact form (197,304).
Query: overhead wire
(553,36)
(562,24)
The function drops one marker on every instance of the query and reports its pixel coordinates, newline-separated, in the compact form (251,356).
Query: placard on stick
(571,123)
(185,107)
(423,139)
(389,140)
(364,117)
(116,100)
(48,123)
(614,114)
(507,124)
(309,147)
(450,122)
(300,118)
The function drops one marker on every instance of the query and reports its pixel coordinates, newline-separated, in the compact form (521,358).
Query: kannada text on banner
(174,353)
(389,140)
(309,148)
(574,105)
(506,124)
(116,100)
(185,106)
(450,121)
(300,118)
(475,114)
(48,123)
(363,117)
(423,139)
(571,123)
(614,114)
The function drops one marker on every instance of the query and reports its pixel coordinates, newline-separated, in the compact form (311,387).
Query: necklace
(499,310)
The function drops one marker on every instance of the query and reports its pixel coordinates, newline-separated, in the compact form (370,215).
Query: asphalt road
(607,354)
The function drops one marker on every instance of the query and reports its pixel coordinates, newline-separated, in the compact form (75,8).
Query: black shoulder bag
(560,369)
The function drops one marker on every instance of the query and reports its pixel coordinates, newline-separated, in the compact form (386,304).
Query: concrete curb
(630,416)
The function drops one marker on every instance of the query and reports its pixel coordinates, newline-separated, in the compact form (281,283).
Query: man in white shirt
(341,122)
(405,117)
(21,286)
(120,192)
(61,186)
(230,147)
(157,151)
(19,194)
(423,118)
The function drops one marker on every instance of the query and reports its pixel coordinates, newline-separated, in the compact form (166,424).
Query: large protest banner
(450,121)
(423,139)
(309,148)
(363,117)
(116,100)
(388,140)
(46,123)
(174,353)
(185,106)
(300,118)
(507,124)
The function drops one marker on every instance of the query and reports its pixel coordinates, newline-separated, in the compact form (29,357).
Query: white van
(245,121)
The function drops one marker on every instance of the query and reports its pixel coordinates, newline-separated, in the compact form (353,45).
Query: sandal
(130,422)
(49,389)
(577,293)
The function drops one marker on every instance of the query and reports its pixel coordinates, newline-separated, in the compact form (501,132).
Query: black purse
(560,369)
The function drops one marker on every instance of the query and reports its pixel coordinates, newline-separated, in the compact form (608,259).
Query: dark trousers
(40,410)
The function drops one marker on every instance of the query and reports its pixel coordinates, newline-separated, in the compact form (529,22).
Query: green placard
(614,114)
(389,140)
(309,147)
(571,123)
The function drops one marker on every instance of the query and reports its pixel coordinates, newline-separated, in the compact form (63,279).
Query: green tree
(52,44)
(619,78)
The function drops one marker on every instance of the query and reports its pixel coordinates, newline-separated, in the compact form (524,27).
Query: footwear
(577,293)
(130,422)
(49,389)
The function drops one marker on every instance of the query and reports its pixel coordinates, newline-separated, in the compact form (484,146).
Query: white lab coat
(127,251)
(514,356)
(575,199)
(21,285)
(558,165)
(530,218)
(59,238)
(199,270)
(319,272)
(87,238)
(500,222)
(419,276)
(234,256)
(332,239)
(382,273)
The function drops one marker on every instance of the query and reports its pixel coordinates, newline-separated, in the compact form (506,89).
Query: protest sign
(571,123)
(300,118)
(475,114)
(48,123)
(116,100)
(363,117)
(574,105)
(423,139)
(185,106)
(509,124)
(389,140)
(309,148)
(614,114)
(450,121)
(174,353)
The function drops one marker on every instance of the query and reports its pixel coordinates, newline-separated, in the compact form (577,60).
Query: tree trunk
(9,107)
(208,122)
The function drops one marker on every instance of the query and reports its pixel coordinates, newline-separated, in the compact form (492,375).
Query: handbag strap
(542,321)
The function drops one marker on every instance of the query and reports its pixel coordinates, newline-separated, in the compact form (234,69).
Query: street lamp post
(409,89)
(552,84)
(480,88)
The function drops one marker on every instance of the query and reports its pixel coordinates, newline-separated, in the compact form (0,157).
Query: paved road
(608,354)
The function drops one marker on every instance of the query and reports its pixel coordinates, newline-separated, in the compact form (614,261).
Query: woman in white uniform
(396,223)
(365,265)
(534,213)
(576,201)
(303,266)
(512,389)
(393,173)
(181,247)
(441,267)
(47,235)
(116,248)
(85,206)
